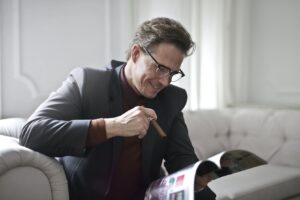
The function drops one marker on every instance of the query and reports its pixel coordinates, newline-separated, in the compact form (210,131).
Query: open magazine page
(181,185)
(176,186)
(216,158)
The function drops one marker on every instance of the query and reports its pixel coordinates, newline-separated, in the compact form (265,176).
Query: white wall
(274,59)
(42,41)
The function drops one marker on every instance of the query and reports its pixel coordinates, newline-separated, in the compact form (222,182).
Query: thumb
(150,113)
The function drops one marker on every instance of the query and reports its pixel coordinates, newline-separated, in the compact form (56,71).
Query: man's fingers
(134,122)
(150,113)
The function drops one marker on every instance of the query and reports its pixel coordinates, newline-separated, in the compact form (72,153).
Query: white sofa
(26,174)
(272,134)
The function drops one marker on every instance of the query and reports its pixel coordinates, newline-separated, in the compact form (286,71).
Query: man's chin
(151,95)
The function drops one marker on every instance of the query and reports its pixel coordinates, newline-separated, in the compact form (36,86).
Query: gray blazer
(59,128)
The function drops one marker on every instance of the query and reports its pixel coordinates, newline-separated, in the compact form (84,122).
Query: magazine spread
(187,184)
(177,186)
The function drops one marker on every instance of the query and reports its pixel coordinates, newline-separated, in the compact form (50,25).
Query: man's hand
(133,122)
(202,181)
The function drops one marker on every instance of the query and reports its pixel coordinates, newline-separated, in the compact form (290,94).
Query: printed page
(216,158)
(176,186)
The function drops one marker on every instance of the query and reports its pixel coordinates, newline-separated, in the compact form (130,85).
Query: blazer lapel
(150,140)
(115,108)
(115,93)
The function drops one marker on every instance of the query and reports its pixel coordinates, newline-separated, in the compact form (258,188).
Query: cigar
(158,129)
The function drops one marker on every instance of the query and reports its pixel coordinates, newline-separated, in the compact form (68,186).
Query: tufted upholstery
(208,130)
(272,134)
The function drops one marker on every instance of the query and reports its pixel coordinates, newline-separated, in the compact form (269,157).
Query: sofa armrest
(26,174)
(268,182)
(12,126)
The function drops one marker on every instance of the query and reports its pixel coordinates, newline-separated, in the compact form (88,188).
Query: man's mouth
(156,87)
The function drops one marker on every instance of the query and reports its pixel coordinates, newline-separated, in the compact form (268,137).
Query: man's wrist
(96,132)
(111,128)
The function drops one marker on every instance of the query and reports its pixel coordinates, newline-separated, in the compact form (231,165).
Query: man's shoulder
(173,91)
(173,96)
(86,75)
(91,79)
(91,73)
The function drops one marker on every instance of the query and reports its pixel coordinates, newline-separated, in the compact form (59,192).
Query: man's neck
(128,75)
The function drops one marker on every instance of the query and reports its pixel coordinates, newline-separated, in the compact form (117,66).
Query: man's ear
(135,52)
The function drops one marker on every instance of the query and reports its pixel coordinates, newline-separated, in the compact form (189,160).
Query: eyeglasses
(163,71)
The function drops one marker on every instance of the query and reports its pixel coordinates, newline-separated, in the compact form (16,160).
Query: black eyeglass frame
(159,66)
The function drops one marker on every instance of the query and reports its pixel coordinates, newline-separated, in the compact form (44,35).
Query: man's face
(145,78)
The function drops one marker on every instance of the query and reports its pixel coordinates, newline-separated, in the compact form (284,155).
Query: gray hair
(162,30)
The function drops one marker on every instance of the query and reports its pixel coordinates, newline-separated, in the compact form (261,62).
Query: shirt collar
(130,97)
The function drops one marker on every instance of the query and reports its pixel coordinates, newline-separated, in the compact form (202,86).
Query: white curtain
(207,74)
(216,74)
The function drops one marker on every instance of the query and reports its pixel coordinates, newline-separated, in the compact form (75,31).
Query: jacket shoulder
(82,74)
(174,97)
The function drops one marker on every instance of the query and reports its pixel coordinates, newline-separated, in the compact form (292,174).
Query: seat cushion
(268,182)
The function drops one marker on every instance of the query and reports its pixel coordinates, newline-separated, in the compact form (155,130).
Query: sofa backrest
(272,134)
(208,130)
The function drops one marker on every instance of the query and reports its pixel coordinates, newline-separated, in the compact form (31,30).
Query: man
(98,121)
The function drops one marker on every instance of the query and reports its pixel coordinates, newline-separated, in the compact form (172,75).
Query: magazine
(191,182)
(179,186)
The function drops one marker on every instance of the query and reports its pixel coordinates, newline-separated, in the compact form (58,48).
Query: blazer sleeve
(179,152)
(56,128)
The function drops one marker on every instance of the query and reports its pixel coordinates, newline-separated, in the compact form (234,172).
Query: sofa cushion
(254,130)
(273,135)
(208,130)
(289,125)
(268,182)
